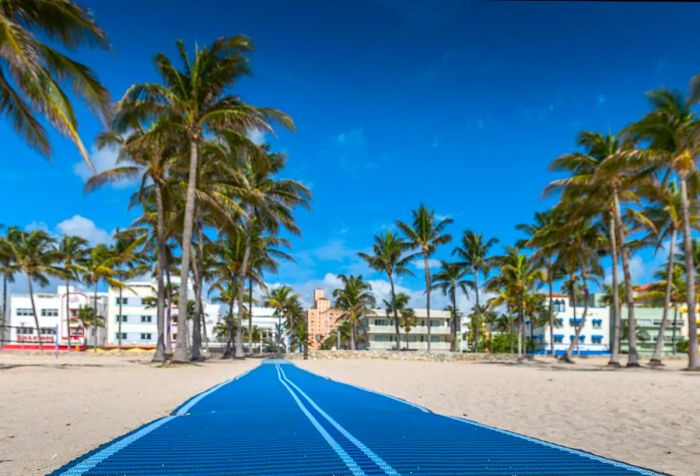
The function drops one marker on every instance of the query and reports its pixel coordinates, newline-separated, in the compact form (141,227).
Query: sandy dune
(646,417)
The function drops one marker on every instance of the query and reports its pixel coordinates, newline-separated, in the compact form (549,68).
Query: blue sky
(396,103)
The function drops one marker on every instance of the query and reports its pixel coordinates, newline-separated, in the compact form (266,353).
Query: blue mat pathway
(278,419)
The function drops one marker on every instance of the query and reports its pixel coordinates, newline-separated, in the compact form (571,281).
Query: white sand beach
(646,417)
(55,410)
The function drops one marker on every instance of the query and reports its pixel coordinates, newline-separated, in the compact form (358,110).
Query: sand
(646,417)
(54,410)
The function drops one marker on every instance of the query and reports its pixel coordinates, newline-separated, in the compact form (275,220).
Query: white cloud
(78,225)
(420,264)
(102,159)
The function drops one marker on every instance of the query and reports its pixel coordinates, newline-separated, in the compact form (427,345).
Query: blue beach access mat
(278,420)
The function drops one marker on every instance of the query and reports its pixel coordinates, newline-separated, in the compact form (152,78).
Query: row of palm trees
(213,204)
(39,257)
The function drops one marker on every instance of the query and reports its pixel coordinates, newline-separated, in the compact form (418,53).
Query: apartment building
(55,329)
(132,312)
(381,334)
(594,338)
(322,319)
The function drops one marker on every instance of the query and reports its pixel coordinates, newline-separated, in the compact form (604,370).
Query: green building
(648,323)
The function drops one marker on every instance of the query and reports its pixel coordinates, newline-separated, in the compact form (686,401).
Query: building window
(558,322)
(123,336)
(145,336)
(146,318)
(597,339)
(597,323)
(49,312)
(122,301)
(558,339)
(24,312)
(122,318)
(48,331)
(25,330)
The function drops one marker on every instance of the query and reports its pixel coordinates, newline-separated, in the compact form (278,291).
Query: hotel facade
(55,329)
(381,333)
(594,338)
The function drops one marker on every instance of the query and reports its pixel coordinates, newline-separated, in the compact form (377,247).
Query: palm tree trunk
(94,307)
(352,336)
(615,310)
(521,325)
(161,264)
(229,344)
(4,310)
(453,330)
(196,318)
(693,358)
(119,321)
(675,323)
(477,314)
(200,304)
(633,356)
(510,326)
(250,315)
(279,332)
(572,301)
(169,311)
(427,294)
(579,325)
(550,285)
(659,347)
(396,314)
(182,353)
(238,349)
(36,318)
(67,312)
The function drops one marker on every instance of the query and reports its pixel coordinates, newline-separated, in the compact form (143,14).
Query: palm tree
(539,234)
(399,306)
(149,156)
(665,212)
(194,102)
(450,279)
(88,318)
(32,70)
(265,257)
(34,254)
(72,251)
(672,131)
(280,299)
(518,276)
(603,176)
(355,300)
(474,255)
(268,203)
(389,256)
(425,234)
(128,262)
(8,269)
(101,265)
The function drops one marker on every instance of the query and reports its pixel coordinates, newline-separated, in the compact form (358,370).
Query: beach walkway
(278,419)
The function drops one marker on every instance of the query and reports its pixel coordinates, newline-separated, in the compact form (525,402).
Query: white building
(132,311)
(594,338)
(381,333)
(53,324)
(267,324)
